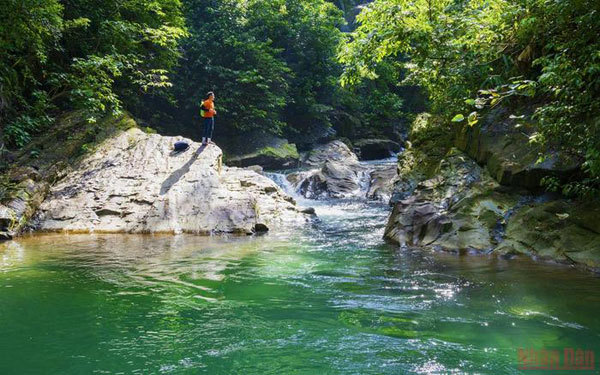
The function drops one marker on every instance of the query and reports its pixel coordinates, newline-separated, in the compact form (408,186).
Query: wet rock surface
(135,183)
(382,183)
(332,180)
(561,230)
(336,151)
(337,173)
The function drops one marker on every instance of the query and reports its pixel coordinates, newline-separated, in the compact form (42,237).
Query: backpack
(180,146)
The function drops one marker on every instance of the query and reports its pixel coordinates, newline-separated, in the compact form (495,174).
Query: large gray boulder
(337,173)
(135,183)
(381,184)
(333,180)
(336,151)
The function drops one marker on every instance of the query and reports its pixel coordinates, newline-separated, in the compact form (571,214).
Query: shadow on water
(176,176)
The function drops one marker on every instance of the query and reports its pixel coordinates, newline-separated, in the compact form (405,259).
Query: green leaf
(458,118)
(472,119)
(470,101)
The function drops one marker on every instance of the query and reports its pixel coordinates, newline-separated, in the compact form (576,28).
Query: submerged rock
(135,183)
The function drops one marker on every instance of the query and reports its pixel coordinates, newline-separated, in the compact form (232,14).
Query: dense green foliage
(273,66)
(81,54)
(270,62)
(470,54)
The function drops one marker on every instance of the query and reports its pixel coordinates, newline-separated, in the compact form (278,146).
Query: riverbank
(126,180)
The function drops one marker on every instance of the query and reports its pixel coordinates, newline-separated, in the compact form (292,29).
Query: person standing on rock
(207,111)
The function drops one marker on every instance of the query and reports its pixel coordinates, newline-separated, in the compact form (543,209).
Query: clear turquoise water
(328,299)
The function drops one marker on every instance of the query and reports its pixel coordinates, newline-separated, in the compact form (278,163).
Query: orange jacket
(210,105)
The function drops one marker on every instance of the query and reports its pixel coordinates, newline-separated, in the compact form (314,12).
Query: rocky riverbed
(333,170)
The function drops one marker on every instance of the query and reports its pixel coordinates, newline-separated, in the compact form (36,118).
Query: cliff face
(135,183)
(451,203)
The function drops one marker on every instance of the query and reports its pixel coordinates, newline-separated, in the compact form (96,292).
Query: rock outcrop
(333,180)
(381,184)
(501,142)
(282,156)
(338,174)
(336,151)
(460,209)
(458,206)
(562,230)
(135,183)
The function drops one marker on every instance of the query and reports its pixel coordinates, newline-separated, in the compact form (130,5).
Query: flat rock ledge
(135,183)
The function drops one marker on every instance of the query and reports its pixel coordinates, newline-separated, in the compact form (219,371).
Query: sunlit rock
(134,182)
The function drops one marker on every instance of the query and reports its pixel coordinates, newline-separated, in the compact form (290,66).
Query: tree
(82,54)
(546,49)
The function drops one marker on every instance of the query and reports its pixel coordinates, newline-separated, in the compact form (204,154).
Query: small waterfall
(281,180)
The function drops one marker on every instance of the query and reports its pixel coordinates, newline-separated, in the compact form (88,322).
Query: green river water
(331,298)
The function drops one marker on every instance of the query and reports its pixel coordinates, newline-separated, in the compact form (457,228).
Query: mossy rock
(282,157)
(561,230)
(501,142)
(428,143)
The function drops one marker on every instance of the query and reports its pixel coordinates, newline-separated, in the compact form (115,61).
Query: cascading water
(281,180)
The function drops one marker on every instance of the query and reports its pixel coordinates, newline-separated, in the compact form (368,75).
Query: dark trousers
(209,126)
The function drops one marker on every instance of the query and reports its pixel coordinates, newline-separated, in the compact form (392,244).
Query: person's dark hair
(208,94)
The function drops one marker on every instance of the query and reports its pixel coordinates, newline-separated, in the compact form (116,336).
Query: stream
(328,298)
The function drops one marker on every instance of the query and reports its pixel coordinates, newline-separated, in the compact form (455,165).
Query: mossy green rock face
(277,157)
(501,141)
(462,209)
(459,209)
(562,230)
(448,202)
(428,144)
